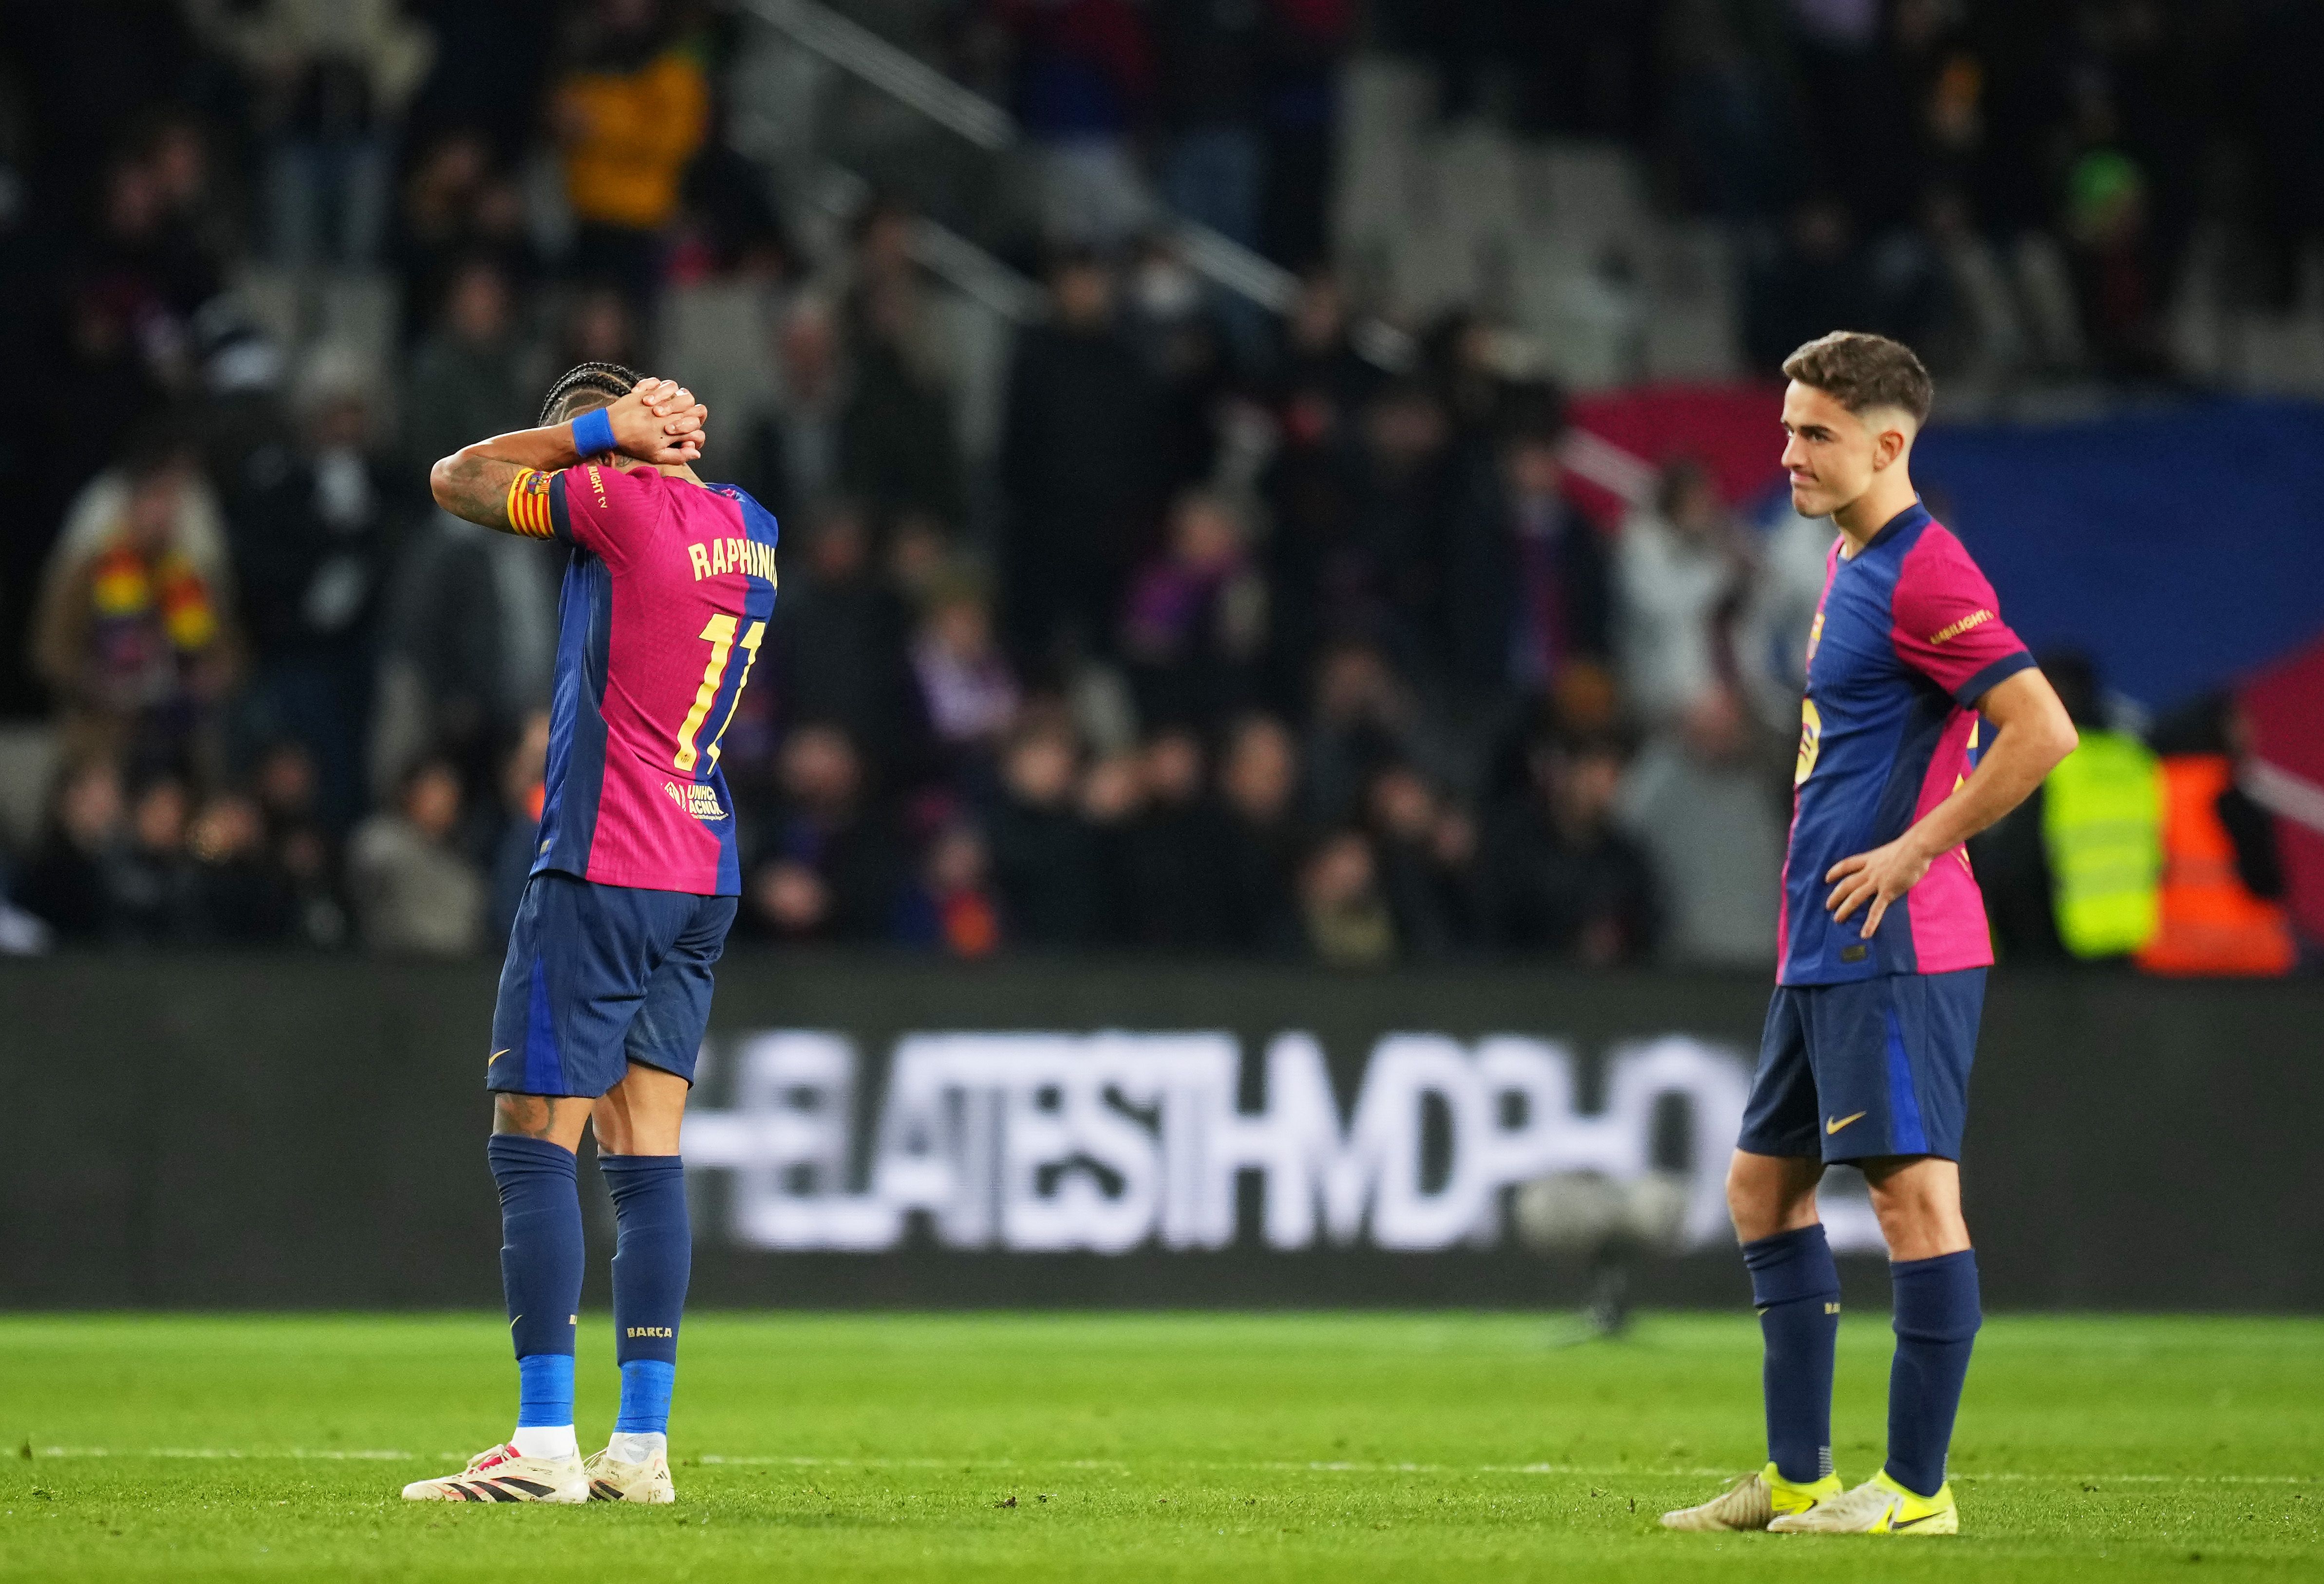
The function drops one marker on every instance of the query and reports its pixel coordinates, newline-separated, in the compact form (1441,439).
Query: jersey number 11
(721,636)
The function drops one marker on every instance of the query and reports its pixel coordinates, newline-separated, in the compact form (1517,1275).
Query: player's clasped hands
(660,422)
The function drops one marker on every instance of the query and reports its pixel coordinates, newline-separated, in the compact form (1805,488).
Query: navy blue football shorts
(601,976)
(1877,1066)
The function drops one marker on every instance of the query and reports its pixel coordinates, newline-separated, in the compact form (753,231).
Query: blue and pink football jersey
(664,610)
(1907,637)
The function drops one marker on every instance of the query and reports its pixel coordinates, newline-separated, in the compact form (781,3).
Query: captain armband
(528,503)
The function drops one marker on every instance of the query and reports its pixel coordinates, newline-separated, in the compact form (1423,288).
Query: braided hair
(609,380)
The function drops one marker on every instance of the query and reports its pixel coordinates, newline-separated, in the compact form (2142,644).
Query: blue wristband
(593,432)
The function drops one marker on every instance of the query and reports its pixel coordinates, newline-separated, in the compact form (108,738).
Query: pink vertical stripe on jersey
(1946,909)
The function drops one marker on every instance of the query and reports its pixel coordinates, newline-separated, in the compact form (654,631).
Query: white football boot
(503,1474)
(1754,1502)
(613,1480)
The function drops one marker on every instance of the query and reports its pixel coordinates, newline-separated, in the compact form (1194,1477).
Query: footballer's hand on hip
(1878,877)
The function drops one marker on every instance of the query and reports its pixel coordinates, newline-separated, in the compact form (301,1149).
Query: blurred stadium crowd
(1235,641)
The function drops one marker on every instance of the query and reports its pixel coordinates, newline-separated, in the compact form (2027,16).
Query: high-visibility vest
(2211,923)
(2102,827)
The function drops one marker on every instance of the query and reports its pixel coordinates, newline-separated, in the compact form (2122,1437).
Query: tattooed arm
(488,483)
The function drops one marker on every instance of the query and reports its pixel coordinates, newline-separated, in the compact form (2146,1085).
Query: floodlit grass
(1122,1448)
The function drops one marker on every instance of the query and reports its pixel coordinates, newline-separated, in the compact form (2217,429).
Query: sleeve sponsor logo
(597,484)
(719,558)
(1974,619)
(697,799)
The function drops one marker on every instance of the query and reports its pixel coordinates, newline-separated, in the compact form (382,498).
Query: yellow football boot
(1877,1506)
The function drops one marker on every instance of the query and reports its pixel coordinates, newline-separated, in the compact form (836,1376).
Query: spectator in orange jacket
(630,111)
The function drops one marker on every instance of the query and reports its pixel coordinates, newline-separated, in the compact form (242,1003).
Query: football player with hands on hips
(1925,720)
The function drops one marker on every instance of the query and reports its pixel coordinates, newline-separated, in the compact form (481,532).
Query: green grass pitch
(1121,1447)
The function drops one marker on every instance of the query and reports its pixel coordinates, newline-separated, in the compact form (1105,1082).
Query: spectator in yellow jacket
(629,112)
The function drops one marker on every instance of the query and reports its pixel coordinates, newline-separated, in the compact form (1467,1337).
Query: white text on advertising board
(1112,1141)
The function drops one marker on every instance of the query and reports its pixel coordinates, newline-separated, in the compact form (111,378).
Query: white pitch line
(2155,1479)
(1576,1470)
(724,1460)
(1632,1471)
(359,1455)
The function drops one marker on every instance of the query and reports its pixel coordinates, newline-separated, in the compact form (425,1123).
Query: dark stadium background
(1281,532)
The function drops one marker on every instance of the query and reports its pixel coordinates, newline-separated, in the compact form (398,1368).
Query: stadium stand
(1147,398)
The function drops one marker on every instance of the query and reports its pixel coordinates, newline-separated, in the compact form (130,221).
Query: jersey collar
(1904,521)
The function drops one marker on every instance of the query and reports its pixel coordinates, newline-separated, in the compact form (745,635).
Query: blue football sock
(544,1390)
(653,1253)
(540,1269)
(646,1387)
(1936,1325)
(1795,1287)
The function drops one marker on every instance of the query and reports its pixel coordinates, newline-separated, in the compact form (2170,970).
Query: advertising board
(307,1131)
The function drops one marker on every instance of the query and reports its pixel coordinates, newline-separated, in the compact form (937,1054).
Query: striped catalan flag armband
(528,503)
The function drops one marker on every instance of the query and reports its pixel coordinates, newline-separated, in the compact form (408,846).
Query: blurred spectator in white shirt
(1680,574)
(1771,641)
(1705,808)
(414,891)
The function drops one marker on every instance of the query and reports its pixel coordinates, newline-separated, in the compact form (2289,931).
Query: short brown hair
(1859,369)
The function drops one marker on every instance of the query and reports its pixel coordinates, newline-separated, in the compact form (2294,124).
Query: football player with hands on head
(606,991)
